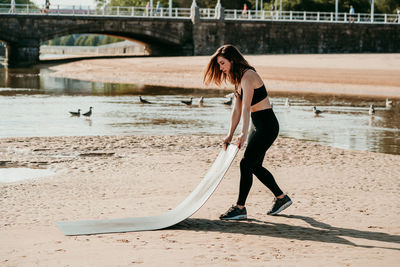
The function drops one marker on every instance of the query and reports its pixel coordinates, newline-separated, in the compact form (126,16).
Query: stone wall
(273,37)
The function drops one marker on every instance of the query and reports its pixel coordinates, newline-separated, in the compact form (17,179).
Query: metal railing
(205,13)
(117,11)
(311,16)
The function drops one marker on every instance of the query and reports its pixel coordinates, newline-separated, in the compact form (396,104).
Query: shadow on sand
(318,232)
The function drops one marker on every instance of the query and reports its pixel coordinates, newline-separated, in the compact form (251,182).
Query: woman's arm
(237,110)
(235,118)
(248,91)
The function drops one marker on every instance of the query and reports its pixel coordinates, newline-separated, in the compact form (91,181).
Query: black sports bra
(259,94)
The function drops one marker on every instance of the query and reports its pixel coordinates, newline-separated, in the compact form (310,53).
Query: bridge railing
(144,12)
(205,13)
(92,11)
(310,16)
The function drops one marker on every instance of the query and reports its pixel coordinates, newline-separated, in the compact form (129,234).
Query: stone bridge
(194,36)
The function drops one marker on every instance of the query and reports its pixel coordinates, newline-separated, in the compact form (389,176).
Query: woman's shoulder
(250,74)
(251,77)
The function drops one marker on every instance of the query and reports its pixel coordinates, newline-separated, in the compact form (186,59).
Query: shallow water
(33,104)
(9,175)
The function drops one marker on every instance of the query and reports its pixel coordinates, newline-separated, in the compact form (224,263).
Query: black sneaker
(280,205)
(234,213)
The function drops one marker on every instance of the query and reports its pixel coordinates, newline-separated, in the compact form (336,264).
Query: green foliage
(55,41)
(83,40)
(67,40)
(92,40)
(387,6)
(110,40)
(80,41)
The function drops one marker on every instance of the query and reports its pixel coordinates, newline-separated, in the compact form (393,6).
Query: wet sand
(345,211)
(350,74)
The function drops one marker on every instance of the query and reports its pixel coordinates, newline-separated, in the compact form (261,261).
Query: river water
(35,104)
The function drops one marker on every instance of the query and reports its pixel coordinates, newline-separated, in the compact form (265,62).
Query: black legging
(266,131)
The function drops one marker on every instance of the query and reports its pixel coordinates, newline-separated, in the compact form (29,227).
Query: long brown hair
(238,66)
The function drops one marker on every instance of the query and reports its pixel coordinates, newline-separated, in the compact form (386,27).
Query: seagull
(316,111)
(371,110)
(89,113)
(189,102)
(229,102)
(201,102)
(230,95)
(144,101)
(75,113)
(287,103)
(388,103)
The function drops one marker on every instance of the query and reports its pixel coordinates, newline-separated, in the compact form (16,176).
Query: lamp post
(12,9)
(372,10)
(336,9)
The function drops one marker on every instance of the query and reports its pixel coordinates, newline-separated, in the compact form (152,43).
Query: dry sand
(346,203)
(345,212)
(351,74)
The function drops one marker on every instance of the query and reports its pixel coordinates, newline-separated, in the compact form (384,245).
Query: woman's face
(224,64)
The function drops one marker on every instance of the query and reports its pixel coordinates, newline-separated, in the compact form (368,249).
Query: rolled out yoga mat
(183,211)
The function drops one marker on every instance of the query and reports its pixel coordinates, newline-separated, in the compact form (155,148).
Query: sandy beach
(346,209)
(376,75)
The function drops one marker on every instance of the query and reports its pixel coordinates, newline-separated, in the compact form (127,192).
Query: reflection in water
(34,81)
(34,104)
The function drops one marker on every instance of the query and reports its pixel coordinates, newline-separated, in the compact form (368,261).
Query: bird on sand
(388,103)
(316,111)
(144,101)
(89,113)
(201,101)
(287,103)
(187,102)
(229,102)
(371,110)
(73,113)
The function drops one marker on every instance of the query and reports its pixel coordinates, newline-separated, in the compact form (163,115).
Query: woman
(251,96)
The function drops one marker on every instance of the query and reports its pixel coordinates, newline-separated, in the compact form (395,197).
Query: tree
(80,41)
(111,39)
(67,40)
(387,6)
(92,40)
(55,41)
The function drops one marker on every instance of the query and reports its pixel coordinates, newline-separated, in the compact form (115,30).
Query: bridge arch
(160,36)
(156,39)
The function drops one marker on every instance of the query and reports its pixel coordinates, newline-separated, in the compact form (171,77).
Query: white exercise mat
(183,211)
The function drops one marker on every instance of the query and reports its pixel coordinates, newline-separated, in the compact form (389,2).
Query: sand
(350,74)
(345,211)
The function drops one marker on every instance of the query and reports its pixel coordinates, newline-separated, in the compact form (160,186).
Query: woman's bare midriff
(263,104)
